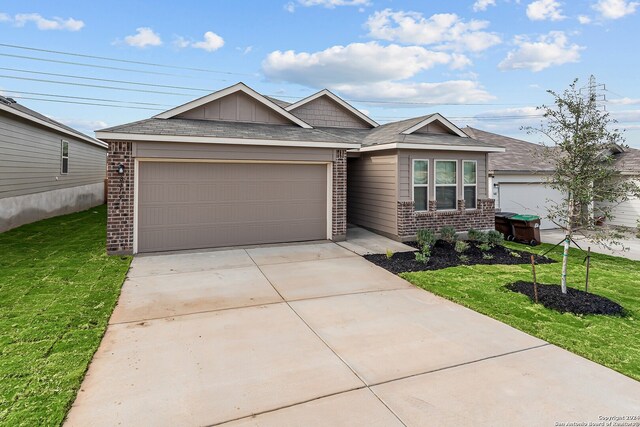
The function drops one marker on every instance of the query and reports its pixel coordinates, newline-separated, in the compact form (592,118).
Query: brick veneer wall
(339,209)
(120,199)
(410,221)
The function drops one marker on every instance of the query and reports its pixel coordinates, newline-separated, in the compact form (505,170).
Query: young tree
(581,150)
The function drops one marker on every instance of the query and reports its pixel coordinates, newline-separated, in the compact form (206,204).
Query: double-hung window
(446,184)
(64,157)
(470,181)
(421,185)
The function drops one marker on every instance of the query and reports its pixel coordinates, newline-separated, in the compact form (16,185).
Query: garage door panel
(528,198)
(199,205)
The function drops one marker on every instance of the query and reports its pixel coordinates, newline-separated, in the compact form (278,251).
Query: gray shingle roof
(629,161)
(11,103)
(519,156)
(223,129)
(278,102)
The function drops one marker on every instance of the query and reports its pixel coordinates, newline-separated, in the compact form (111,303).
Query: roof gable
(331,111)
(435,123)
(235,103)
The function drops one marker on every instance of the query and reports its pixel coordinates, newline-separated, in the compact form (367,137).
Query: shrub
(448,234)
(495,238)
(421,257)
(425,237)
(487,256)
(463,259)
(515,254)
(461,246)
(476,235)
(389,254)
(484,247)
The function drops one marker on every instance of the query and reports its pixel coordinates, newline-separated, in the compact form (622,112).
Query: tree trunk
(565,258)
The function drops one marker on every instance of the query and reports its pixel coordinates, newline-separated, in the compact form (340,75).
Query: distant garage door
(528,198)
(203,205)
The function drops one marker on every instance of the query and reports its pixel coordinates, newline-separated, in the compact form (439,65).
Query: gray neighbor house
(239,168)
(46,168)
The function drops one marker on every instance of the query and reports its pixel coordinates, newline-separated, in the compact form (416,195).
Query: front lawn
(608,340)
(57,290)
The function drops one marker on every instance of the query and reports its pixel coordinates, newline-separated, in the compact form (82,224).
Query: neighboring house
(46,168)
(627,214)
(517,178)
(238,168)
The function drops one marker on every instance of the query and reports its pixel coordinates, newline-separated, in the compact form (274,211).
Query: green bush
(495,238)
(461,246)
(421,257)
(484,247)
(425,237)
(476,235)
(448,234)
(463,259)
(487,256)
(389,254)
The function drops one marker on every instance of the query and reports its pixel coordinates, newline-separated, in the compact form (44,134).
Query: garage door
(528,198)
(204,205)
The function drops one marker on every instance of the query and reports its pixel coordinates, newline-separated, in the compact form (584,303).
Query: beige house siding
(434,127)
(324,112)
(236,107)
(372,191)
(406,157)
(30,159)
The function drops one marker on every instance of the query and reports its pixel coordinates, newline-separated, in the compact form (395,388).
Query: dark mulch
(575,301)
(443,255)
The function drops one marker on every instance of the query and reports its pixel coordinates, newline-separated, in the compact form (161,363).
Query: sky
(481,63)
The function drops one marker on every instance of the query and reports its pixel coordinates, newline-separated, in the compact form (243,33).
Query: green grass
(57,290)
(610,341)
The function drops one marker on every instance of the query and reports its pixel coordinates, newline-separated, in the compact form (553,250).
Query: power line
(95,86)
(106,58)
(88,103)
(105,80)
(84,98)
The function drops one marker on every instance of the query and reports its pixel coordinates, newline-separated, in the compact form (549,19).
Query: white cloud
(548,50)
(452,91)
(144,37)
(584,19)
(624,101)
(626,116)
(543,10)
(615,9)
(55,23)
(290,7)
(354,63)
(211,42)
(482,5)
(82,124)
(445,30)
(245,50)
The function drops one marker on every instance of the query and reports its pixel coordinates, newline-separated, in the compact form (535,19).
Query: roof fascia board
(336,98)
(435,147)
(51,126)
(238,87)
(437,116)
(118,136)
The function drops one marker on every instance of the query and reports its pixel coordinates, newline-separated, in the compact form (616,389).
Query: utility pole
(595,90)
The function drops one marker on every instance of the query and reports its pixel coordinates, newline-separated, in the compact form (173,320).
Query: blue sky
(483,63)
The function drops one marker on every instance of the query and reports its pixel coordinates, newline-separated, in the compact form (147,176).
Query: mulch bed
(443,255)
(574,301)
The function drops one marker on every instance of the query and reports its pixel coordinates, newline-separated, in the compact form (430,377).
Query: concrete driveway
(314,335)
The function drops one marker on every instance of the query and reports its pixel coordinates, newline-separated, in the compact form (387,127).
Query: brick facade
(339,209)
(120,199)
(410,221)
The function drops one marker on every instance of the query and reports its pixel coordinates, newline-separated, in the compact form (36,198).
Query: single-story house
(46,168)
(518,177)
(239,168)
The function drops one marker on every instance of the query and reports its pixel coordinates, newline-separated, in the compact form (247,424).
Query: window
(421,185)
(470,181)
(64,155)
(446,184)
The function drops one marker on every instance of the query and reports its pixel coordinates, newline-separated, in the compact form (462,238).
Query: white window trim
(62,156)
(414,185)
(475,201)
(436,185)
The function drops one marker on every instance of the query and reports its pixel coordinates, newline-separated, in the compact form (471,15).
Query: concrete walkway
(630,245)
(365,242)
(314,335)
